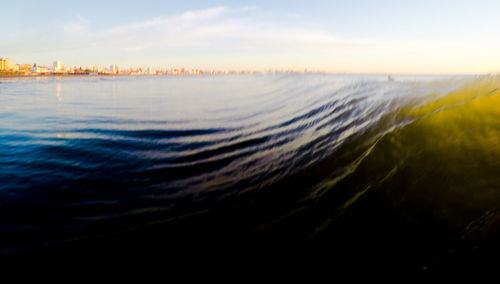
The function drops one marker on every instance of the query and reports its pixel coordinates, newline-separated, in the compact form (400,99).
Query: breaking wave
(411,163)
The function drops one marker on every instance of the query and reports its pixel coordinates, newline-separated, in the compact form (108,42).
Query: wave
(304,157)
(431,173)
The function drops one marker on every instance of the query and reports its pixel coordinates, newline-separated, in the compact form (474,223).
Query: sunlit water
(355,164)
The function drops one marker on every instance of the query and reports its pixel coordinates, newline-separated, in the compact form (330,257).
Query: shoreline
(34,75)
(14,75)
(68,75)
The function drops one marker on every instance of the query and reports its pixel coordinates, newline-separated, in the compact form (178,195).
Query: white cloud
(204,14)
(76,27)
(166,22)
(234,27)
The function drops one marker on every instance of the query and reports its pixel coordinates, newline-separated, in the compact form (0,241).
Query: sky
(357,36)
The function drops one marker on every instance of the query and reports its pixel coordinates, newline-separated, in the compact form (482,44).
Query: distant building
(58,67)
(6,64)
(151,71)
(24,68)
(39,69)
(9,64)
(113,69)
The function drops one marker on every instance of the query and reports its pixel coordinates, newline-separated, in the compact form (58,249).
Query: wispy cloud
(204,14)
(232,27)
(76,27)
(166,22)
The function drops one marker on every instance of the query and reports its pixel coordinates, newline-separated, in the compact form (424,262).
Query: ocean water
(402,173)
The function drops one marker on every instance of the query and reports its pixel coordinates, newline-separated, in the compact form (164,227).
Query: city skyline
(332,36)
(10,68)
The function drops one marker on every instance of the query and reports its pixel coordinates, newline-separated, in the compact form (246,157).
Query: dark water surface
(401,174)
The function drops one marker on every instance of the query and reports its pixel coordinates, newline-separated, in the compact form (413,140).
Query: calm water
(351,165)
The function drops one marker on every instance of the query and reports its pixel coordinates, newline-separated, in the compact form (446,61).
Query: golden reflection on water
(444,163)
(449,155)
(58,93)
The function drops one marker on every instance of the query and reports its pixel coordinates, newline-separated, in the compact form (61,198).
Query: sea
(397,175)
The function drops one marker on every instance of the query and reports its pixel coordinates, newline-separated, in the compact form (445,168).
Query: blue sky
(336,36)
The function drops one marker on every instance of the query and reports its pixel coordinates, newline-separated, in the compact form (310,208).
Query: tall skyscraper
(58,67)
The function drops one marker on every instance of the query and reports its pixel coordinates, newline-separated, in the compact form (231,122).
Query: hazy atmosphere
(333,36)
